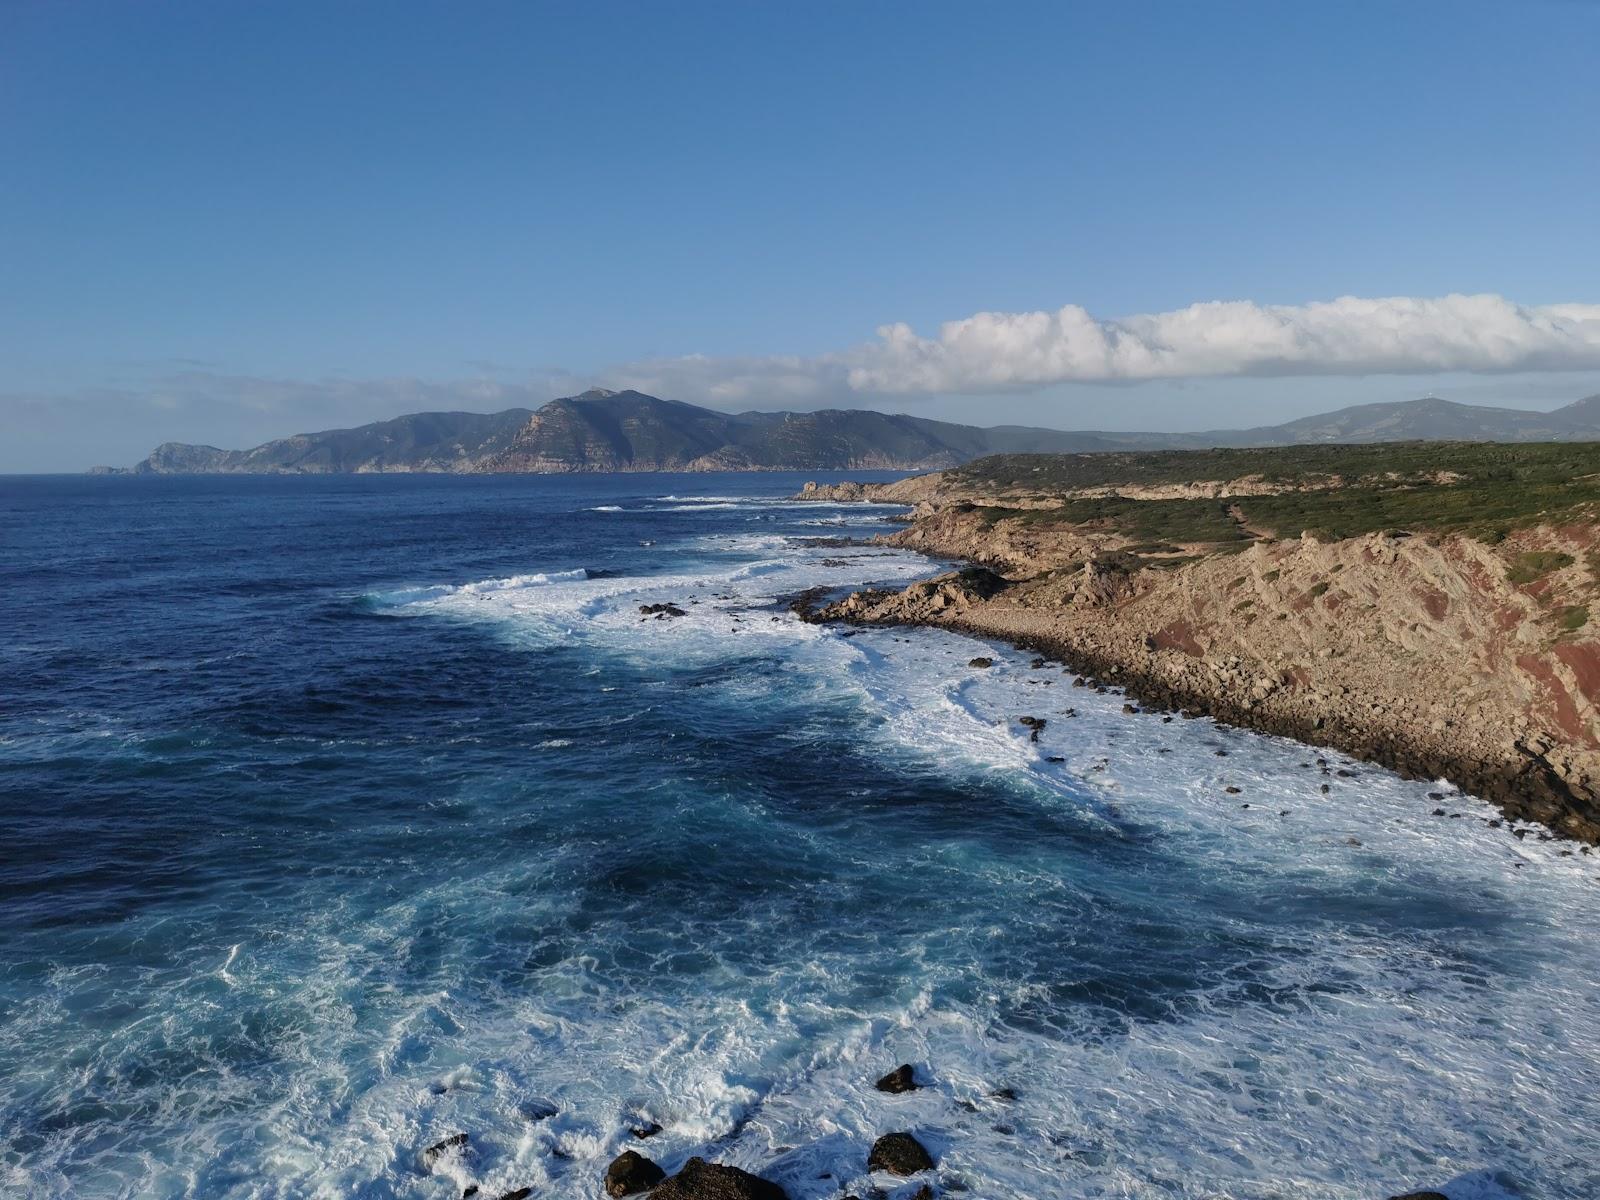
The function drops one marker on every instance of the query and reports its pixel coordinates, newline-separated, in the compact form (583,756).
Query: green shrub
(1535,565)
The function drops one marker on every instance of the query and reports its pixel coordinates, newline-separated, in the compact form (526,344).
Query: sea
(342,815)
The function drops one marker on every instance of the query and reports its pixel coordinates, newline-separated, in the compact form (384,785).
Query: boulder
(518,1194)
(1421,1196)
(702,1180)
(456,1143)
(901,1079)
(632,1172)
(662,611)
(981,662)
(899,1154)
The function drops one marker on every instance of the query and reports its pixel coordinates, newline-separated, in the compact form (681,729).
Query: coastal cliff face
(1440,652)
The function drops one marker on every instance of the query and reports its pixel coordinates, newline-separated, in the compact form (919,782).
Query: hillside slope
(617,431)
(630,431)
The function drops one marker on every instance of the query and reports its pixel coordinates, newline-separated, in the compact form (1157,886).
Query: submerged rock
(632,1172)
(702,1180)
(1421,1196)
(456,1143)
(662,611)
(647,1130)
(521,1193)
(981,662)
(901,1079)
(899,1154)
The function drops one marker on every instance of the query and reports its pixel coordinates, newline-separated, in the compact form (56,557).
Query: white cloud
(1004,352)
(988,354)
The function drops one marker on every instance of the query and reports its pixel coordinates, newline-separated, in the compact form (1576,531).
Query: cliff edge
(1427,608)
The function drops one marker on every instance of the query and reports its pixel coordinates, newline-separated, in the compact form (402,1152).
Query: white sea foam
(401,598)
(1377,1084)
(1391,1068)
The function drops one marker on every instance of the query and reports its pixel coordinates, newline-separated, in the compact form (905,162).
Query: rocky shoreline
(1523,793)
(1409,652)
(895,1158)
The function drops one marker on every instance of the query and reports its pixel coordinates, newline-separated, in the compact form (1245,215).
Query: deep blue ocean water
(344,814)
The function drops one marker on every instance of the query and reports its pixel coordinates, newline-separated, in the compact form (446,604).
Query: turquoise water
(346,814)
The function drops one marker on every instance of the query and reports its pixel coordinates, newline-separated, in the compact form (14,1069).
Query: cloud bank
(994,352)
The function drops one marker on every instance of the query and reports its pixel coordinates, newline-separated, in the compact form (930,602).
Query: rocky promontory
(1426,608)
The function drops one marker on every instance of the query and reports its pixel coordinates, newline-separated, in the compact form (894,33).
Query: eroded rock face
(632,1172)
(901,491)
(702,1180)
(1430,655)
(941,597)
(899,1154)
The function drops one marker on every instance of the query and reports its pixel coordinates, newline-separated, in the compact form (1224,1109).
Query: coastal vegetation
(1331,492)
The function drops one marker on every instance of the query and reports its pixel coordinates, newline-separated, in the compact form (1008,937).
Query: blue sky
(224,222)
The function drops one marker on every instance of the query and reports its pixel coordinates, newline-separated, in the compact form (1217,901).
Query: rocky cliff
(1445,652)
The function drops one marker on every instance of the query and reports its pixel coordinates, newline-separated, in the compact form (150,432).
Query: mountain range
(630,431)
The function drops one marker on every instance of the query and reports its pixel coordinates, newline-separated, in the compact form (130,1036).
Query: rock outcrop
(1440,655)
(456,1143)
(899,1154)
(901,1079)
(702,1180)
(631,1172)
